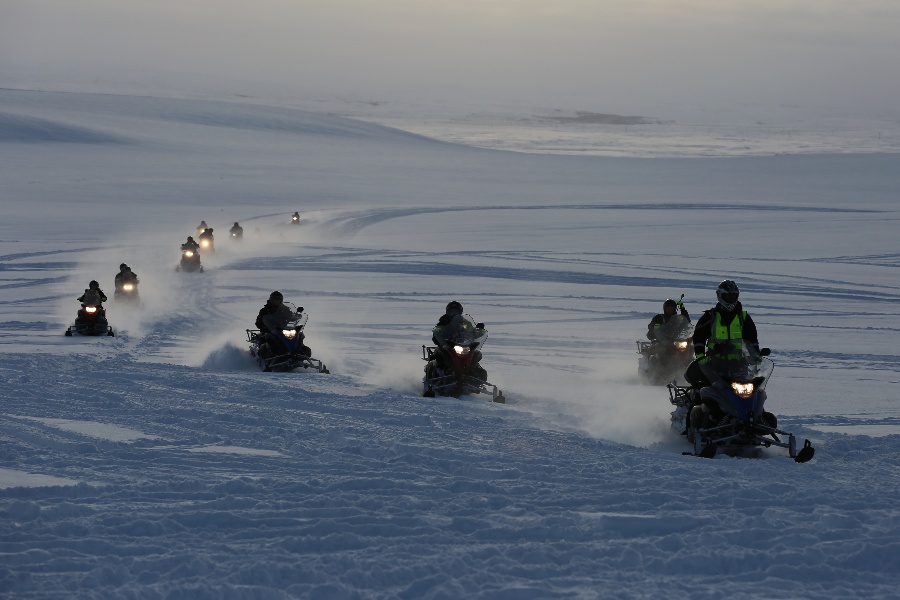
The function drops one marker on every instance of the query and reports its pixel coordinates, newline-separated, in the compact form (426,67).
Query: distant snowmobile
(127,289)
(731,415)
(190,261)
(665,359)
(458,373)
(295,218)
(207,242)
(283,349)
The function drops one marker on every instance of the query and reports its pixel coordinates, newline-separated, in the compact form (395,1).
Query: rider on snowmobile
(190,244)
(93,296)
(125,275)
(273,317)
(444,332)
(236,231)
(725,322)
(668,312)
(201,227)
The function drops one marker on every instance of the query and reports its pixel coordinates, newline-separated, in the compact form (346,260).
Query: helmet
(454,308)
(669,303)
(190,238)
(276,295)
(236,224)
(123,266)
(727,294)
(94,285)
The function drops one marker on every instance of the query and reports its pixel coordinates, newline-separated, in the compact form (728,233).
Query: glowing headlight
(90,309)
(188,253)
(744,390)
(204,243)
(461,350)
(681,344)
(128,287)
(289,333)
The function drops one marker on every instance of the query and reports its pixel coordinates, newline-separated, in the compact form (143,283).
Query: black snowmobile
(729,415)
(190,260)
(283,350)
(665,359)
(458,372)
(91,320)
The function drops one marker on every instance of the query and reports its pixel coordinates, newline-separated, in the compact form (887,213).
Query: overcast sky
(594,53)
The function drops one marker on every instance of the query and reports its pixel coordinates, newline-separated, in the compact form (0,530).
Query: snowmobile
(665,359)
(127,291)
(283,349)
(730,414)
(91,320)
(458,372)
(207,243)
(295,218)
(190,261)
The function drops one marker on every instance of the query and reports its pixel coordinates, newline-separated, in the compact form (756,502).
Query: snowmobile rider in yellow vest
(727,321)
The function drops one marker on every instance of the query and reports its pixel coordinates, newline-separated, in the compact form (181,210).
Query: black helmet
(454,308)
(123,266)
(276,295)
(727,293)
(190,238)
(94,285)
(669,303)
(236,224)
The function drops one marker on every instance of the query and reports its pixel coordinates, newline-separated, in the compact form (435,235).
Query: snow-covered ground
(162,464)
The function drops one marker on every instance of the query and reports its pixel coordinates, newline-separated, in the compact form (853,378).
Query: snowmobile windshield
(738,362)
(295,320)
(464,332)
(678,327)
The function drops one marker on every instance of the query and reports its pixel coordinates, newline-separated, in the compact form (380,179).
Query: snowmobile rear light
(681,344)
(744,390)
(289,333)
(90,309)
(461,350)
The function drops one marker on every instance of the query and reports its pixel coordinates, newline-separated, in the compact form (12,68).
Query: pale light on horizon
(827,53)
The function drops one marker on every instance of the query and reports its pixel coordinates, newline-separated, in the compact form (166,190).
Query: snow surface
(162,464)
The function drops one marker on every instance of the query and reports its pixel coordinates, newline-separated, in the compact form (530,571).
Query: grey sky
(817,53)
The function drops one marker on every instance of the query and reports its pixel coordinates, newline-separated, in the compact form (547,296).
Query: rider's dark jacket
(662,319)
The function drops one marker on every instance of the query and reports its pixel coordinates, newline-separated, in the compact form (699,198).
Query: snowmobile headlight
(90,309)
(188,253)
(744,390)
(462,350)
(128,287)
(205,243)
(289,333)
(681,344)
